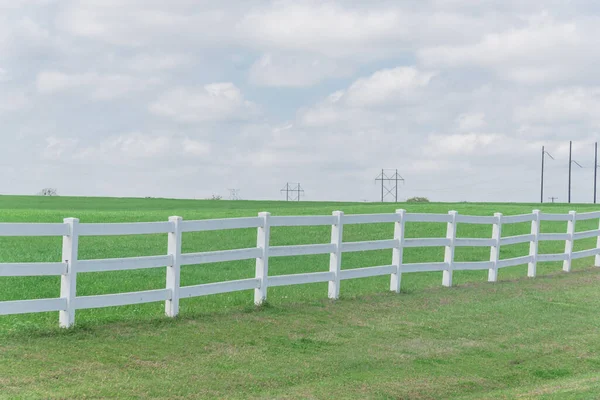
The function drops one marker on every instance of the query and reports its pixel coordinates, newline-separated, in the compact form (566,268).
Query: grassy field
(529,338)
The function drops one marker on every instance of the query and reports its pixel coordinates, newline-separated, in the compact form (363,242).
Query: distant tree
(48,192)
(418,200)
(216,197)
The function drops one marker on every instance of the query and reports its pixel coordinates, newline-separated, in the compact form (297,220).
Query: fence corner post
(397,252)
(262,262)
(449,250)
(335,258)
(533,245)
(174,270)
(569,242)
(68,281)
(495,249)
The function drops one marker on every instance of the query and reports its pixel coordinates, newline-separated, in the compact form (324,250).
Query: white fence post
(335,258)
(533,245)
(174,270)
(495,249)
(397,252)
(68,281)
(569,241)
(262,263)
(449,250)
(597,258)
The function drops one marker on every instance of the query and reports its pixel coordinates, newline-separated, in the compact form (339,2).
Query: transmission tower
(293,191)
(234,194)
(389,183)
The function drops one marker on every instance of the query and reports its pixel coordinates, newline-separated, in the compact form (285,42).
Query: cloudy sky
(188,98)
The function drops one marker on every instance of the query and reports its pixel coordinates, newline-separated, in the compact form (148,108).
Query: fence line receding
(70,266)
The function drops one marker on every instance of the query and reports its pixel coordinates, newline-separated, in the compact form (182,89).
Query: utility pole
(396,184)
(387,190)
(544,153)
(382,175)
(287,191)
(553,198)
(292,188)
(595,168)
(571,162)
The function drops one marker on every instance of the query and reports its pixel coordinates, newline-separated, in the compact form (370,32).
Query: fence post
(569,241)
(68,281)
(533,245)
(335,258)
(174,270)
(262,262)
(495,249)
(449,250)
(597,258)
(397,252)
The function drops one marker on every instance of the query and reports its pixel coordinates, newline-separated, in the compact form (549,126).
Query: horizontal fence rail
(516,239)
(220,224)
(305,220)
(299,279)
(120,264)
(24,229)
(515,219)
(33,269)
(132,228)
(174,228)
(219,256)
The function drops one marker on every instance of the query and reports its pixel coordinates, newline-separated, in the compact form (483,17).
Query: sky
(190,98)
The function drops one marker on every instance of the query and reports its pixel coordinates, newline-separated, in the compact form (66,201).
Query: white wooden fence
(70,266)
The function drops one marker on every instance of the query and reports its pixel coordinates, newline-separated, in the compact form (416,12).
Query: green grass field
(530,338)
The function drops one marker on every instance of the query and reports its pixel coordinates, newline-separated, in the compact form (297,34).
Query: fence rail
(70,265)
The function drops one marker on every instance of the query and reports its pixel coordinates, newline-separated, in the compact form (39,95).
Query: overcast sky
(187,98)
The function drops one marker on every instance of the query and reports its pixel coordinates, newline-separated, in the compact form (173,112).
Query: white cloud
(138,145)
(294,70)
(99,87)
(126,148)
(337,30)
(4,75)
(196,147)
(573,104)
(326,27)
(12,100)
(139,23)
(470,121)
(542,51)
(464,143)
(387,88)
(57,147)
(213,102)
(359,31)
(157,62)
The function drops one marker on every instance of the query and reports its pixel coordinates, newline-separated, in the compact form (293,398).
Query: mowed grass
(519,337)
